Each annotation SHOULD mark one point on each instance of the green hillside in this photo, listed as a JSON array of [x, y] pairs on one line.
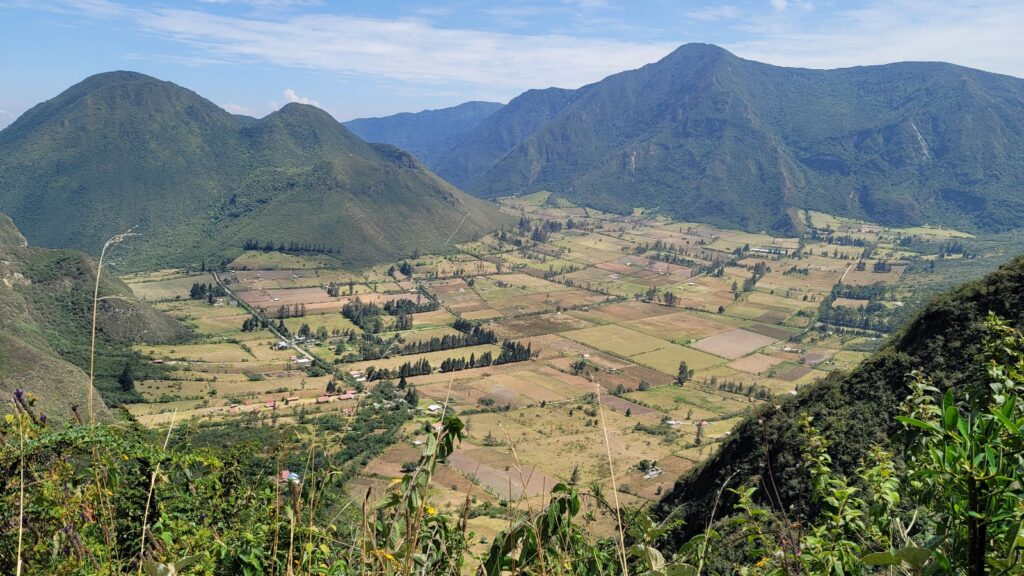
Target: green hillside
[[854, 411], [705, 135], [122, 150], [45, 320], [478, 149], [426, 133]]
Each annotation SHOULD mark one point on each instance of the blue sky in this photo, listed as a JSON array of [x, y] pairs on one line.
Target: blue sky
[[359, 58]]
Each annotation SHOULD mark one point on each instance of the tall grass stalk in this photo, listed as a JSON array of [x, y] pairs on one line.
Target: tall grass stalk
[[95, 308], [21, 494], [104, 502], [615, 487]]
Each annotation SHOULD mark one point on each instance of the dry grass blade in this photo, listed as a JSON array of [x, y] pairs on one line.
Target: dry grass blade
[[95, 307], [21, 496], [615, 487]]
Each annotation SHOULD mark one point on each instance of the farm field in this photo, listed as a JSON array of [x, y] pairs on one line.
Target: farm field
[[572, 319]]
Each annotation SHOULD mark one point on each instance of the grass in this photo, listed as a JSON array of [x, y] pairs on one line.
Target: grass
[[617, 340]]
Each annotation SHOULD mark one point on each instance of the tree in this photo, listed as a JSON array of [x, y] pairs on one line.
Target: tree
[[683, 374], [490, 440], [968, 457], [574, 478], [126, 380], [332, 386], [629, 412], [412, 398], [669, 298]]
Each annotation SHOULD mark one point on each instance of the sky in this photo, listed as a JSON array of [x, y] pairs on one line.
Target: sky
[[358, 59]]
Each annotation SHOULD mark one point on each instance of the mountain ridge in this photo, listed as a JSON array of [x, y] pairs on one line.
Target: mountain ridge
[[122, 149], [705, 135], [45, 327], [426, 133]]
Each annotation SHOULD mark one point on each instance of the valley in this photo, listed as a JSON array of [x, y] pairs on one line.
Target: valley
[[610, 307], [631, 307]]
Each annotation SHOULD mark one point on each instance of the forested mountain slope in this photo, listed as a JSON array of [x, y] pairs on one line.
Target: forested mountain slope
[[426, 134], [122, 150], [705, 135], [855, 410], [45, 323]]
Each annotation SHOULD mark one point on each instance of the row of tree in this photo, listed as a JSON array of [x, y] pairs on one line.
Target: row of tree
[[269, 246], [475, 337], [209, 291], [408, 369], [407, 306]]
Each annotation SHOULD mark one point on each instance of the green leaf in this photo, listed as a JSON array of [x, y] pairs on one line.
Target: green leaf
[[680, 570], [881, 559], [950, 416], [918, 423], [1006, 422], [916, 557]]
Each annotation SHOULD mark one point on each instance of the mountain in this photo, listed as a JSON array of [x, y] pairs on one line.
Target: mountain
[[425, 133], [478, 149], [122, 150], [703, 134], [854, 411], [45, 326]]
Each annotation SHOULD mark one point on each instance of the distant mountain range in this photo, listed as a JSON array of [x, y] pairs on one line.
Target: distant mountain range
[[426, 133], [705, 135], [122, 150]]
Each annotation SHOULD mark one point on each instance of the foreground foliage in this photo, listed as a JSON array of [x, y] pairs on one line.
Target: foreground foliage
[[105, 500]]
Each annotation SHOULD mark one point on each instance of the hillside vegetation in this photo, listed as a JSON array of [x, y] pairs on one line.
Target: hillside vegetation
[[45, 319], [854, 411], [707, 136], [122, 150], [425, 133]]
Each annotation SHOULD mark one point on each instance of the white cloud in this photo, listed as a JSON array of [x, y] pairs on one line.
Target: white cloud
[[291, 96], [587, 4], [239, 109], [780, 4], [713, 13], [983, 35], [5, 118], [271, 3], [497, 64]]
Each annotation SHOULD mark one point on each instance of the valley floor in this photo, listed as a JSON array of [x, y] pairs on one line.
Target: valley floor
[[610, 307]]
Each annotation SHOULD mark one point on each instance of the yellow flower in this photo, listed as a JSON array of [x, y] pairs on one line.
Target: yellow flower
[[431, 511]]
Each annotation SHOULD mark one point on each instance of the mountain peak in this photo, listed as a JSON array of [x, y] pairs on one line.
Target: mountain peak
[[122, 149], [698, 51], [118, 77]]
